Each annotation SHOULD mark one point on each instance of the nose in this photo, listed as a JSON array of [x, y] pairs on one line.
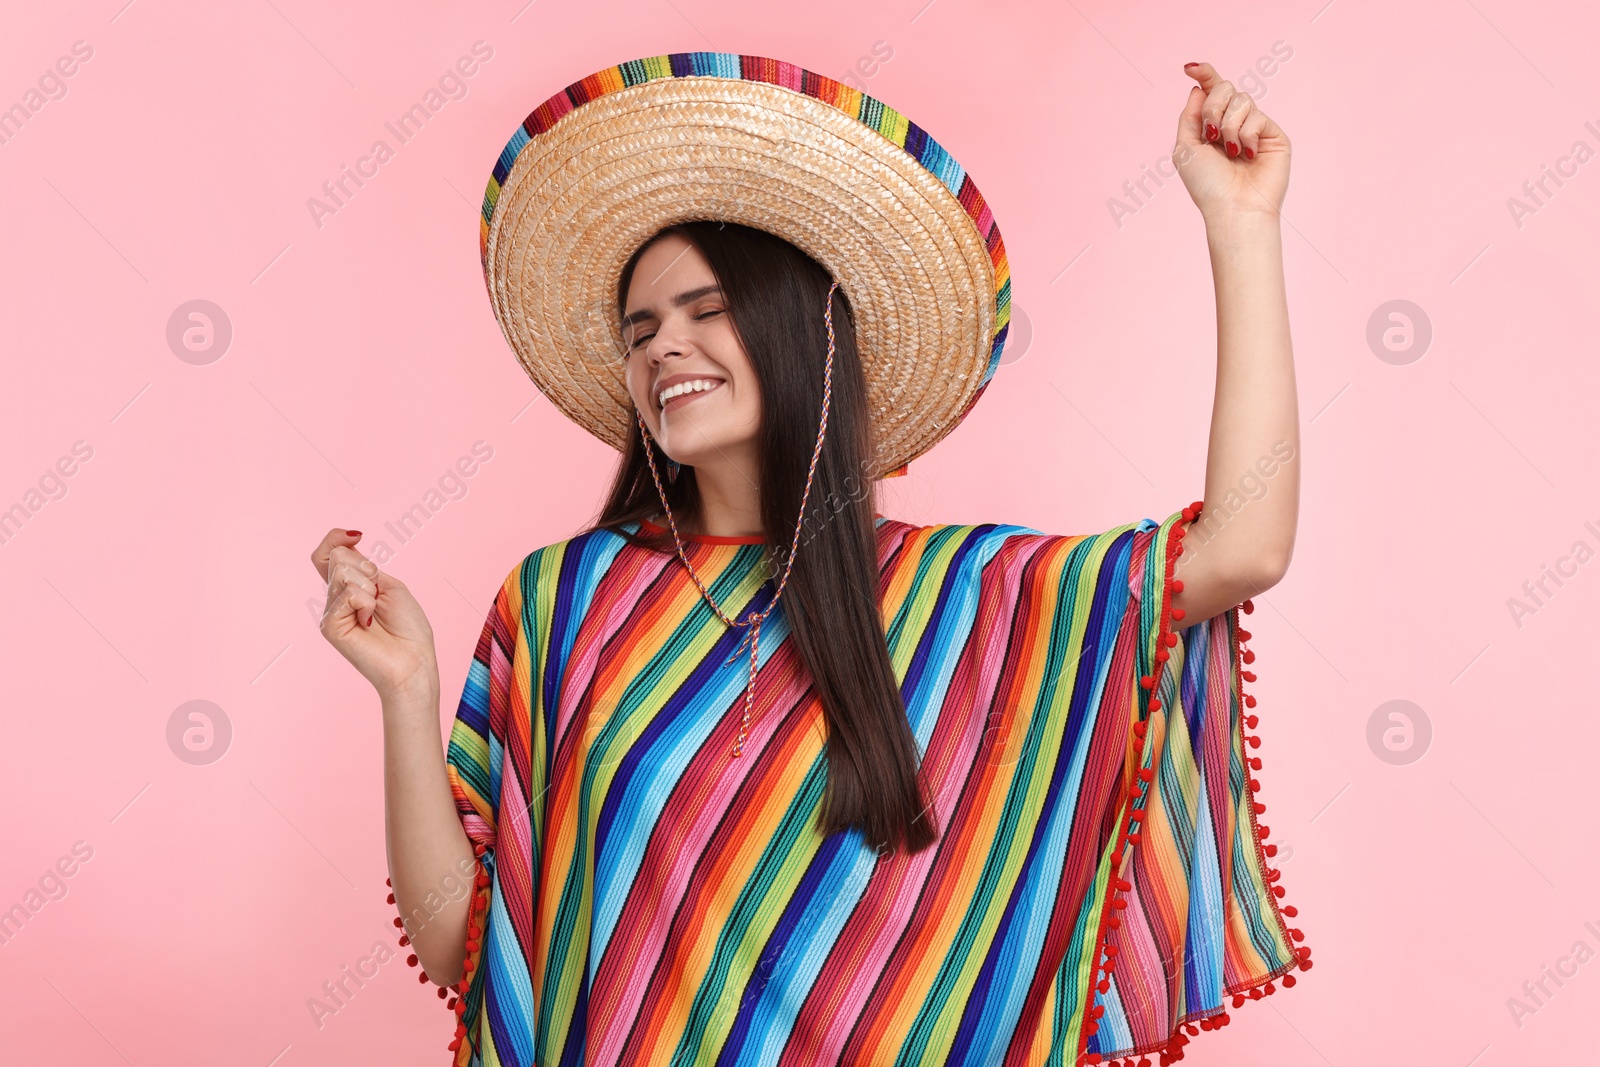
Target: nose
[[666, 342]]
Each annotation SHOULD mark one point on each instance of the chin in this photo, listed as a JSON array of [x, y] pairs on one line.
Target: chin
[[705, 442], [703, 451]]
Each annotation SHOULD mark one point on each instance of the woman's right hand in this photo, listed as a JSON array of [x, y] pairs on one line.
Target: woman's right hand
[[373, 620]]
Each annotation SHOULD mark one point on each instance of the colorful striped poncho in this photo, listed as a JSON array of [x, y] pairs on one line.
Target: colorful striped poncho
[[1099, 885]]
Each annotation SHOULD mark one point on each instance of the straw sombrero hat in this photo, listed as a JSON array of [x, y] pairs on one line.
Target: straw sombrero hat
[[599, 167]]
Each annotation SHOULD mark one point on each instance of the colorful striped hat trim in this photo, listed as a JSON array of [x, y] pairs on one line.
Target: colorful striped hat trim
[[939, 289]]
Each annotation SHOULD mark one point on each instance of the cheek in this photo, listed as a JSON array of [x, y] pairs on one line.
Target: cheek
[[639, 404], [637, 383], [747, 388], [750, 399], [749, 395]]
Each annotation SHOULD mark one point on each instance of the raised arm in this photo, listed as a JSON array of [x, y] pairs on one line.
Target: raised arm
[[1234, 161]]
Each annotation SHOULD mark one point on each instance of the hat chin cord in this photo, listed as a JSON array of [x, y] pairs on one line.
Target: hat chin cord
[[753, 619]]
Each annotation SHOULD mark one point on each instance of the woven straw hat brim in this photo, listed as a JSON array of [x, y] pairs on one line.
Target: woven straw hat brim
[[601, 167]]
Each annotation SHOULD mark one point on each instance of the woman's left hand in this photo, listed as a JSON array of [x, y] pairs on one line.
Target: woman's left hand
[[1234, 160]]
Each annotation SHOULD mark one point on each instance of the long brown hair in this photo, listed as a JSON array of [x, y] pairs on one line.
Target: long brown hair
[[774, 295]]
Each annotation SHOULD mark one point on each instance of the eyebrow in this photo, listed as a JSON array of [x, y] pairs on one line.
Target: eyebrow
[[688, 296]]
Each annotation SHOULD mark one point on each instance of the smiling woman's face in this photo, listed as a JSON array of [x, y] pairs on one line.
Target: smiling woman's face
[[681, 343]]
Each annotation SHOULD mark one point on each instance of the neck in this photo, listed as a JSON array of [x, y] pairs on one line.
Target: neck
[[730, 499]]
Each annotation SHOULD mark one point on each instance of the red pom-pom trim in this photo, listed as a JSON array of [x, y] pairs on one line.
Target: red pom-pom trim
[[1172, 1050], [1129, 834], [479, 903]]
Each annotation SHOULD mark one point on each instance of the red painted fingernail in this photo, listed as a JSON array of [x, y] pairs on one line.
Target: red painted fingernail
[[1233, 149], [1211, 132], [352, 533], [1186, 66], [1249, 153], [369, 621]]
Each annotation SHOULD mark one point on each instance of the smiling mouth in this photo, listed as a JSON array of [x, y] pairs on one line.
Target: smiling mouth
[[675, 396]]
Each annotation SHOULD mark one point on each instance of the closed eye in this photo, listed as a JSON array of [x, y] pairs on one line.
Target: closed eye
[[641, 340]]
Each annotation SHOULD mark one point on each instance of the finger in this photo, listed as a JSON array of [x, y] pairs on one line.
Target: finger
[[347, 561], [362, 605], [1216, 102], [1239, 107], [1211, 109], [352, 559], [334, 538], [1269, 134], [349, 576], [341, 600], [338, 604], [370, 574], [1217, 93], [1251, 130], [1190, 133], [1204, 74]]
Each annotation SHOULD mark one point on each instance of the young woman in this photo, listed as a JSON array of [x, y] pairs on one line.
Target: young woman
[[748, 772]]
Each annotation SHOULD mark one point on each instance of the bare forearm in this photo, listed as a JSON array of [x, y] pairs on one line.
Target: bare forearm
[[1252, 488], [431, 862]]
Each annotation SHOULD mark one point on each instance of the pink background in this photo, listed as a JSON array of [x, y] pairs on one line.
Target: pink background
[[365, 360]]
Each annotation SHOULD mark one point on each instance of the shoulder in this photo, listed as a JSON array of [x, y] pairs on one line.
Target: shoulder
[[995, 537], [982, 553], [583, 554]]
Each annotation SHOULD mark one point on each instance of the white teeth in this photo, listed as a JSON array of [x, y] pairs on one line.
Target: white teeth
[[698, 385]]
